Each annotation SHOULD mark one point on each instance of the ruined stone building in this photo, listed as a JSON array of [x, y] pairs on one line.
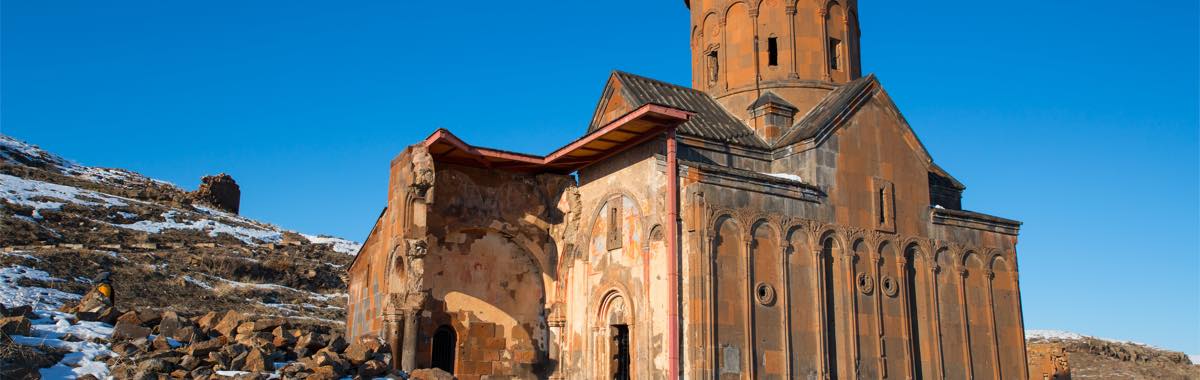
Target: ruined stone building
[[777, 219]]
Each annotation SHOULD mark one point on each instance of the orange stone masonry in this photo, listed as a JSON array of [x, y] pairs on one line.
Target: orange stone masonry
[[815, 237]]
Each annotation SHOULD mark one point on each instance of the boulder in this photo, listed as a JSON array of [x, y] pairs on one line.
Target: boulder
[[430, 374], [130, 317], [372, 369], [149, 317], [310, 340], [327, 358], [202, 349], [124, 349], [264, 325], [188, 334], [257, 361], [229, 323], [161, 343], [337, 343], [106, 315], [208, 321], [364, 349], [154, 366], [18, 325], [170, 323], [201, 373], [323, 373], [189, 362], [129, 331], [281, 337]]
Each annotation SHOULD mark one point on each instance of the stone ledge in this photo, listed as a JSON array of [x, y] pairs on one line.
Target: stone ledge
[[975, 220]]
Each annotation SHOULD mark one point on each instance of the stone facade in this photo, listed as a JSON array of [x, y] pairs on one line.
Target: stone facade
[[780, 220]]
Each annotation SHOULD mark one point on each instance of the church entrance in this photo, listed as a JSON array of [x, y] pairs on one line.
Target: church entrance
[[619, 347], [444, 342]]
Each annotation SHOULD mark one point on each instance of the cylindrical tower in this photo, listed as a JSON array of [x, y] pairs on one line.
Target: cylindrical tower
[[797, 49]]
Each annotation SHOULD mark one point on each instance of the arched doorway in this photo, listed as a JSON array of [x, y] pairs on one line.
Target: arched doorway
[[445, 340]]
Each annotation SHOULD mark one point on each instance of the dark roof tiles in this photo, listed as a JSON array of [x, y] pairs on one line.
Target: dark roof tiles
[[710, 120]]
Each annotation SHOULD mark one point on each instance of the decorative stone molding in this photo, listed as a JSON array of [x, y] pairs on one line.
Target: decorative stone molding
[[889, 286], [865, 283], [764, 293]]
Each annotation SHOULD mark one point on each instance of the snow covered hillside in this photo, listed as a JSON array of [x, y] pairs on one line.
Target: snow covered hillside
[[63, 223]]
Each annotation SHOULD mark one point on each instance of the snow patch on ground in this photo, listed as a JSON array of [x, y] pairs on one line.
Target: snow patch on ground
[[312, 295], [15, 150], [1052, 335], [245, 234], [339, 244], [48, 196], [50, 331], [12, 294], [1067, 335]]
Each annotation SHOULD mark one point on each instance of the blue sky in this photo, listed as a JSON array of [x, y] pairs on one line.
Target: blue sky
[[1078, 118]]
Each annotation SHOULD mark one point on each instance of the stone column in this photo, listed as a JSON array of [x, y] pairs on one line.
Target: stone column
[[408, 352], [822, 331], [966, 327], [394, 322], [906, 300], [934, 270]]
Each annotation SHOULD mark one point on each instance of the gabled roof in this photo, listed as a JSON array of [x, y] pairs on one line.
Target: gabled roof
[[769, 98], [840, 103], [642, 124], [709, 120]]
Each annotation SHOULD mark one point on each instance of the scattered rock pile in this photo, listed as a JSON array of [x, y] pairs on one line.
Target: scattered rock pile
[[148, 343]]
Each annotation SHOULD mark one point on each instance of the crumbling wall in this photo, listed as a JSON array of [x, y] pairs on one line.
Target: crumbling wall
[[219, 191], [494, 241], [1048, 361]]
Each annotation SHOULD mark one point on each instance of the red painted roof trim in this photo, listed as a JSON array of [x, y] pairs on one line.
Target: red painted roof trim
[[669, 116]]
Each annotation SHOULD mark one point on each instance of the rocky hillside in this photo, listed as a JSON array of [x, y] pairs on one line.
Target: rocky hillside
[[1074, 356], [62, 224]]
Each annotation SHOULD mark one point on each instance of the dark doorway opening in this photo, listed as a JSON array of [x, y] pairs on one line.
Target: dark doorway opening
[[444, 342], [619, 347]]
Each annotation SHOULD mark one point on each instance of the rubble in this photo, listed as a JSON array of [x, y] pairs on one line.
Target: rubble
[[232, 342]]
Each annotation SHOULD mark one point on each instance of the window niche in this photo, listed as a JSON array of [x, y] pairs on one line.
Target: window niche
[[884, 194], [772, 51], [712, 64], [835, 54], [614, 236]]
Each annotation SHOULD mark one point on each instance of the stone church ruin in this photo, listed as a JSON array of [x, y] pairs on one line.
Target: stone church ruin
[[778, 219]]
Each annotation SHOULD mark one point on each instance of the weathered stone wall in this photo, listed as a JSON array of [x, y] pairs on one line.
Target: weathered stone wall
[[492, 265], [617, 274]]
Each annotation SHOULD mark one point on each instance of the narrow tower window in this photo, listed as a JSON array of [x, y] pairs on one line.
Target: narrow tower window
[[713, 66], [835, 54], [773, 51]]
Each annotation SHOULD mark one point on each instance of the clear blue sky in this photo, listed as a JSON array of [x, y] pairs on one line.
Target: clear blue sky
[[1078, 118]]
